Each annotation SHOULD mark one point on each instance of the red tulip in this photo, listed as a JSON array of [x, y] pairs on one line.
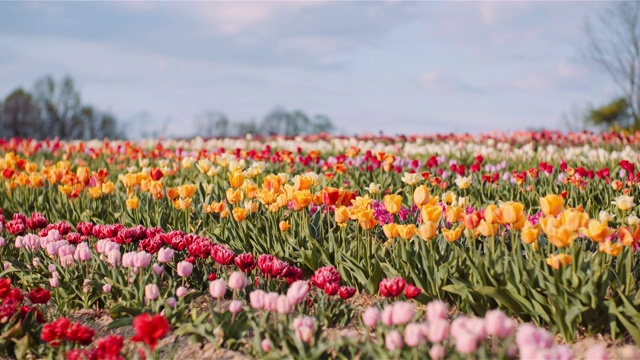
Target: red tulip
[[392, 287], [150, 330]]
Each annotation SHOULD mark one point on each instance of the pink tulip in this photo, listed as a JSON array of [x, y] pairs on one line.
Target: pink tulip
[[171, 302], [629, 352], [235, 306], [282, 305], [597, 352], [51, 267], [54, 282], [371, 317], [127, 259], [65, 249], [113, 257], [83, 252], [238, 281], [437, 352], [217, 288], [165, 255], [271, 301], [185, 268], [438, 330], [151, 292], [158, 269], [106, 288], [413, 335], [256, 299], [466, 344], [297, 292], [403, 312], [36, 262], [437, 310], [266, 345], [393, 340], [1, 238], [66, 261], [142, 259], [181, 291]]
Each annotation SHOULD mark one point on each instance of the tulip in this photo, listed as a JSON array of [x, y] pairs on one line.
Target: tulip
[[438, 330], [341, 214], [623, 202], [54, 282], [284, 226], [452, 235], [463, 182], [551, 205], [256, 299], [184, 268], [393, 340], [371, 317], [282, 305], [413, 335], [406, 231], [297, 292], [390, 230], [217, 288], [165, 255], [427, 231], [392, 203], [431, 213], [437, 352], [235, 306], [106, 288], [141, 259], [158, 269], [437, 310], [181, 291], [132, 203], [271, 301], [151, 292], [171, 302], [266, 345], [238, 281], [421, 195]]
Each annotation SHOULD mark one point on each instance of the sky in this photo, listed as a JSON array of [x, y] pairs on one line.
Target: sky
[[397, 67]]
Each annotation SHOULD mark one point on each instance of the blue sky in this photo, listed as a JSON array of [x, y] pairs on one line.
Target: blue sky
[[399, 67]]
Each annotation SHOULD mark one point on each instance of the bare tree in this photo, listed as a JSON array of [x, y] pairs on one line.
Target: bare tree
[[614, 45]]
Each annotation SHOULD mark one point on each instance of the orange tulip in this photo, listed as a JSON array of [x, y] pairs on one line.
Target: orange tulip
[[453, 214], [487, 229], [471, 221]]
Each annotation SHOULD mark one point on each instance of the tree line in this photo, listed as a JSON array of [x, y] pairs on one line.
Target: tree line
[[278, 121], [54, 109]]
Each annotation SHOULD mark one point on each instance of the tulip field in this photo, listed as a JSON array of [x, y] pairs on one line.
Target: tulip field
[[505, 246]]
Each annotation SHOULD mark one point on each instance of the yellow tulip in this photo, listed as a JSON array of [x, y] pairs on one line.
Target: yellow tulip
[[107, 188], [610, 248], [172, 193], [558, 261], [341, 214], [427, 231], [301, 199], [574, 219], [512, 212], [182, 204], [406, 231], [493, 214], [284, 226], [529, 234], [487, 229], [551, 204], [239, 214], [187, 191], [596, 230], [132, 203], [562, 236], [453, 214], [94, 192], [452, 235], [421, 195], [236, 179], [431, 213], [392, 203], [390, 230], [234, 196]]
